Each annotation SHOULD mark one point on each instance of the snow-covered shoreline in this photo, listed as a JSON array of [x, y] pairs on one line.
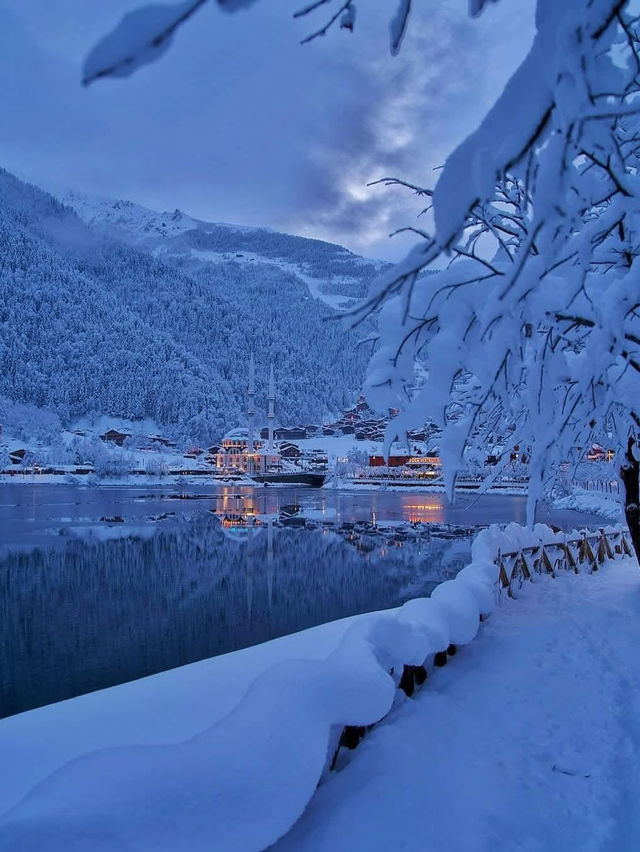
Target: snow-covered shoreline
[[595, 502], [133, 480], [406, 485], [121, 715], [249, 713]]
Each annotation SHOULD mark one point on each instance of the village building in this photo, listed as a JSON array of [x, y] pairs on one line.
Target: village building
[[114, 436], [290, 433], [242, 450]]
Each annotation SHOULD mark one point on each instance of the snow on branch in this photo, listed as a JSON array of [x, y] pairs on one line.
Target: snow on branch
[[346, 12], [398, 26], [143, 35], [522, 309]]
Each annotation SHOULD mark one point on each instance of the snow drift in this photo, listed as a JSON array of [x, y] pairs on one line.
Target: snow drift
[[247, 779]]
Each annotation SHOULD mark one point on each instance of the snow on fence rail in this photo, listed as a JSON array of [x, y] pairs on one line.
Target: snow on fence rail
[[244, 782], [566, 553]]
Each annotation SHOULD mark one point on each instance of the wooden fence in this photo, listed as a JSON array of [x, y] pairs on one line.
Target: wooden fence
[[592, 549], [588, 551]]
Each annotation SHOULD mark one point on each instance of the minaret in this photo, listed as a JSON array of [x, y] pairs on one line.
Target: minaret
[[250, 407], [271, 413]]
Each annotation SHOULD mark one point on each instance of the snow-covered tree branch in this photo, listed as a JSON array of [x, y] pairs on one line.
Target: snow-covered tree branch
[[144, 34], [525, 299], [523, 302]]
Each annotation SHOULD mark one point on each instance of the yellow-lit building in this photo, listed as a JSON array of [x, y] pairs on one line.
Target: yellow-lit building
[[236, 456]]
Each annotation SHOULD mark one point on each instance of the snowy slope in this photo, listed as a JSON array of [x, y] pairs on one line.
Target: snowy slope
[[117, 315], [332, 274]]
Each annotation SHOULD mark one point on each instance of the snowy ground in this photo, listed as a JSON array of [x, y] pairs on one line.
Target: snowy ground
[[529, 739], [185, 701], [345, 484], [603, 504]]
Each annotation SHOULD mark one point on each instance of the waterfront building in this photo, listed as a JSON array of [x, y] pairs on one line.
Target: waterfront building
[[242, 450]]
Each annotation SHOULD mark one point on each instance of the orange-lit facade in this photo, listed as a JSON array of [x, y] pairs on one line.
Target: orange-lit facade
[[234, 455], [408, 461]]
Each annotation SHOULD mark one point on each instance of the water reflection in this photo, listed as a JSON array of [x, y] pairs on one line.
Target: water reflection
[[94, 613], [236, 505], [99, 586]]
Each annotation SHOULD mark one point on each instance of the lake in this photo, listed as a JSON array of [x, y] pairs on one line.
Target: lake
[[103, 585]]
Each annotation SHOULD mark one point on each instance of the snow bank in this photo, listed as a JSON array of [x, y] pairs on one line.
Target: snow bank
[[592, 501], [246, 780]]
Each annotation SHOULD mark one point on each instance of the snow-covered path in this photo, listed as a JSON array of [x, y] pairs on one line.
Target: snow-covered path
[[529, 739]]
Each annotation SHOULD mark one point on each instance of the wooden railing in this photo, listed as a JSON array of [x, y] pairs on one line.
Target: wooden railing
[[592, 549], [589, 551]]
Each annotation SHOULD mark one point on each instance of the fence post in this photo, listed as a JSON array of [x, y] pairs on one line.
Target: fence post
[[503, 574], [524, 567], [606, 545], [547, 562], [569, 556], [589, 553]]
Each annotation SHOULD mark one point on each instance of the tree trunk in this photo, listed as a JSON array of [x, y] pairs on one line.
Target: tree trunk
[[630, 476]]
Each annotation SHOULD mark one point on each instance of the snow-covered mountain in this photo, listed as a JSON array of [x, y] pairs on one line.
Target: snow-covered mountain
[[331, 273], [109, 308]]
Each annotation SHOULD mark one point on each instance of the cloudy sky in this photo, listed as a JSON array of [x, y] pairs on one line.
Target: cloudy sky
[[240, 123]]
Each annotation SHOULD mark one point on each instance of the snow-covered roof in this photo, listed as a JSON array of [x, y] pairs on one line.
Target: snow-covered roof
[[239, 434]]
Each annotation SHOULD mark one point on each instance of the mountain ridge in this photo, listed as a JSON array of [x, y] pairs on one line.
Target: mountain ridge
[[99, 319]]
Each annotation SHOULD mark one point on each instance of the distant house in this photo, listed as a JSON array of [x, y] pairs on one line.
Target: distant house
[[348, 430], [164, 442], [290, 433], [392, 461], [598, 453], [17, 456], [495, 454], [289, 450], [193, 453], [114, 437], [318, 459]]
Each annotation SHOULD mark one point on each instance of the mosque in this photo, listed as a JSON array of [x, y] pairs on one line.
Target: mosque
[[242, 450]]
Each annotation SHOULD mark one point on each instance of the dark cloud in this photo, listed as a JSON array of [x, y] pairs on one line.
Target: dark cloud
[[240, 123], [402, 119]]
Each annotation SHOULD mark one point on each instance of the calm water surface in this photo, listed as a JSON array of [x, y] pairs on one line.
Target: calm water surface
[[103, 585]]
